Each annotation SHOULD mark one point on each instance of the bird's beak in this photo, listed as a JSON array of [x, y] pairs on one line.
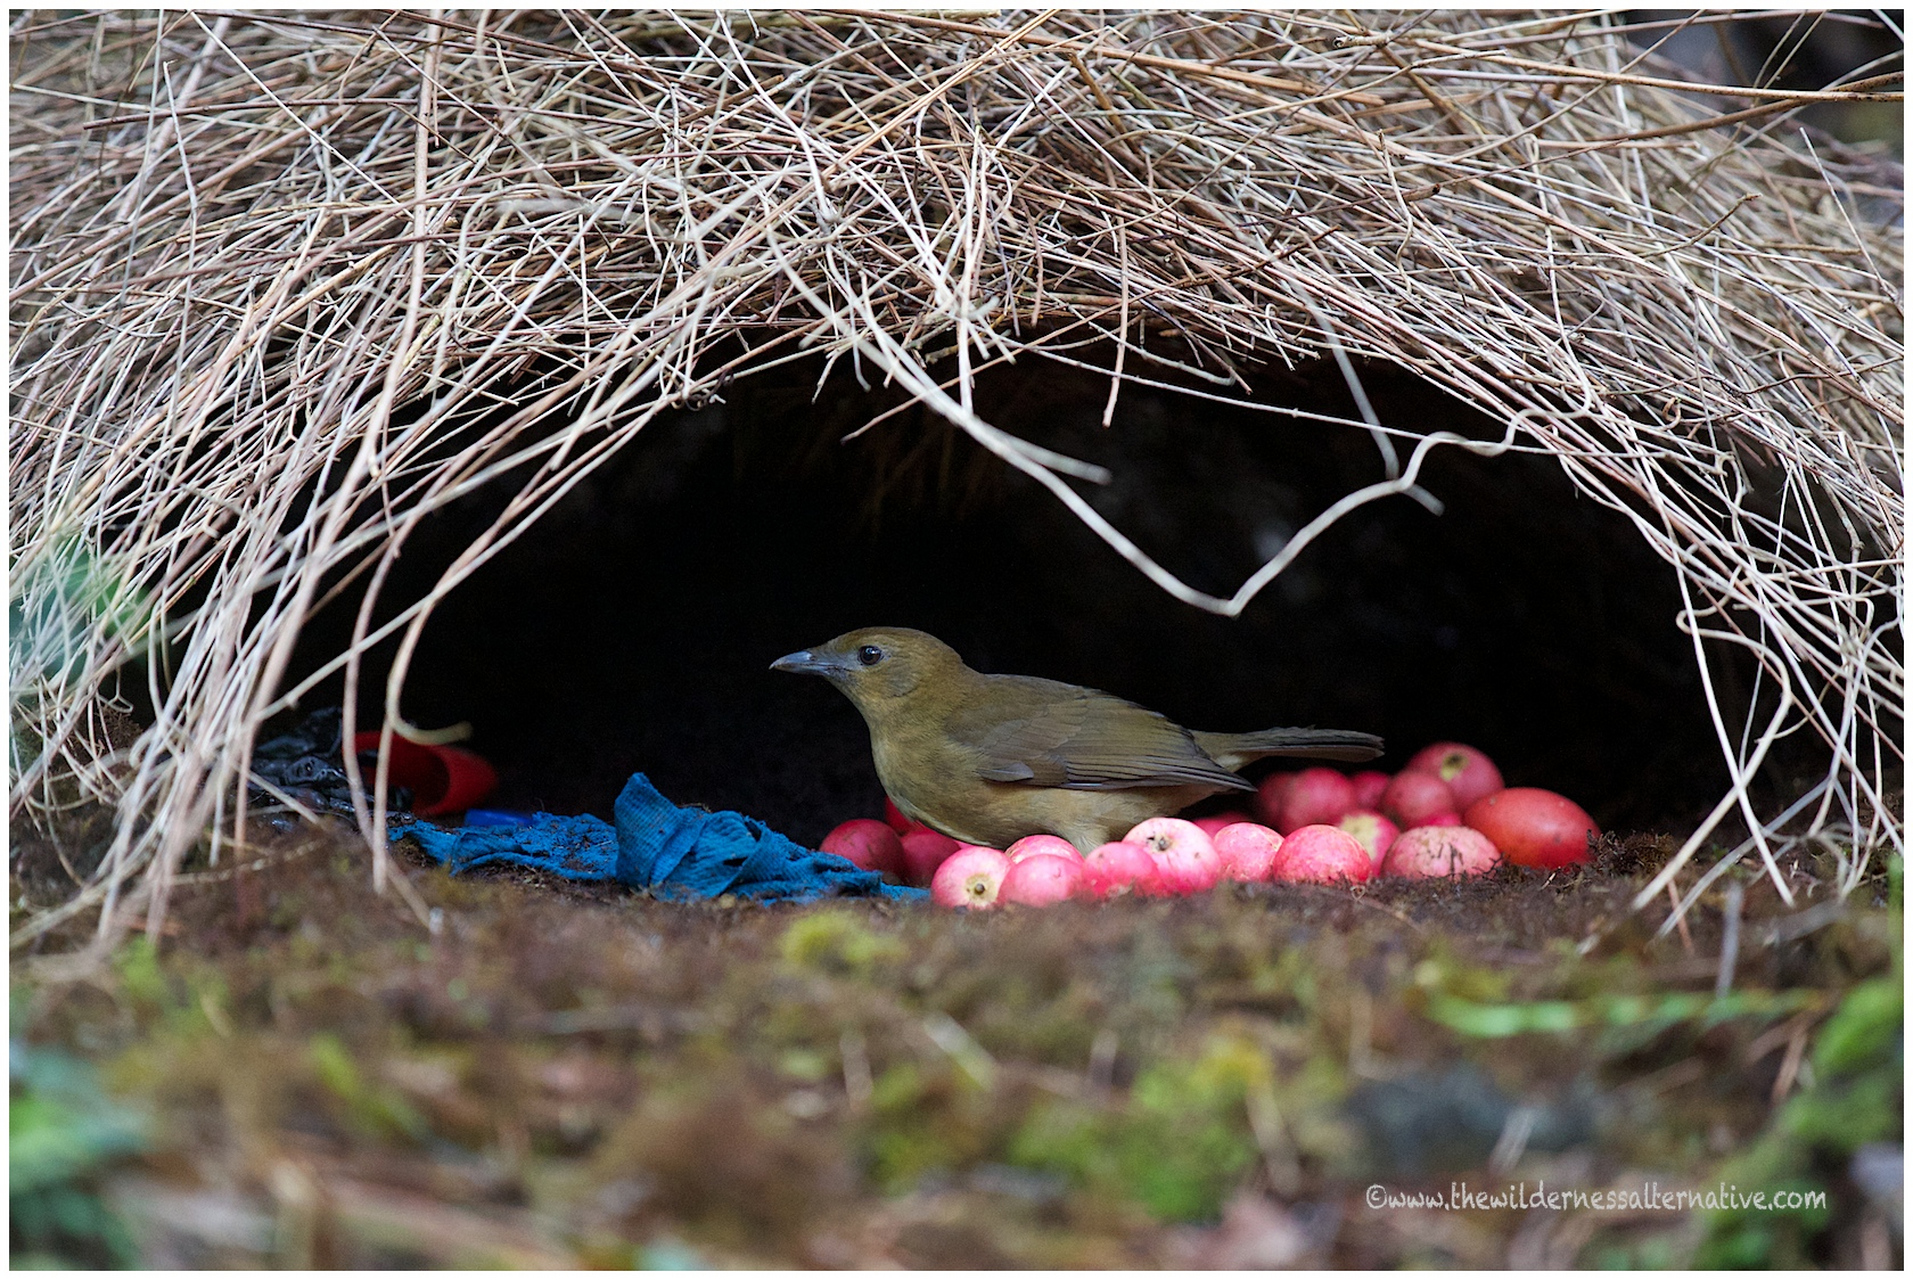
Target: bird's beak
[[804, 662]]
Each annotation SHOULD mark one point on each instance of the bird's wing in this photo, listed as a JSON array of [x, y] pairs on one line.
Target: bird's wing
[[1047, 734]]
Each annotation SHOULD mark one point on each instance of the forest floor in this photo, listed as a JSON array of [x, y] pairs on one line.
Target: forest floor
[[1515, 1071]]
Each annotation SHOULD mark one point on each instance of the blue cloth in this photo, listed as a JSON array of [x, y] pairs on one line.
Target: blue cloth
[[676, 853]]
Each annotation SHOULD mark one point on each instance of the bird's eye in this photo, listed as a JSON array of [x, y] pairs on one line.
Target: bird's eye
[[870, 655]]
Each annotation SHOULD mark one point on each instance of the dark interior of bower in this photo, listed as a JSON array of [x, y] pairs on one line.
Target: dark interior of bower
[[632, 627]]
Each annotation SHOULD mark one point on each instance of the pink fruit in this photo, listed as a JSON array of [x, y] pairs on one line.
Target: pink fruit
[[1534, 828], [1247, 850], [1372, 831], [1469, 773], [970, 877], [1446, 818], [1269, 796], [1369, 785], [1029, 846], [1432, 852], [923, 852], [868, 843], [1186, 857], [894, 816], [1412, 797], [1317, 796], [1321, 854], [1217, 822], [1120, 867], [1043, 879]]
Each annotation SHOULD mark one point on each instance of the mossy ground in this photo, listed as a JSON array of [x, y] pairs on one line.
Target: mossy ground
[[555, 1075]]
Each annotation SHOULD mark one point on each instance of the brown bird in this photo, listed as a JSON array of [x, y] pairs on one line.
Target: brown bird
[[990, 759]]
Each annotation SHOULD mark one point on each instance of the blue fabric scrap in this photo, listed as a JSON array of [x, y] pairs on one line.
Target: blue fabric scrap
[[676, 853]]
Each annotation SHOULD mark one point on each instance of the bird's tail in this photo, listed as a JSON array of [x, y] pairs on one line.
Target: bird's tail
[[1233, 750]]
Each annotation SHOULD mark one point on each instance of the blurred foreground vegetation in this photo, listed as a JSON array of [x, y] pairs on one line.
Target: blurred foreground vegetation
[[300, 1074]]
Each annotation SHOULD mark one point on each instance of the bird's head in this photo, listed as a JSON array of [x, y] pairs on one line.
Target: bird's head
[[876, 667]]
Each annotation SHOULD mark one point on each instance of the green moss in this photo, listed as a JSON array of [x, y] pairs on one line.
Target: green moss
[[1843, 1115], [1865, 1030], [137, 964], [840, 942], [925, 1118], [1646, 1253], [804, 1064], [375, 1108], [1177, 1146], [1644, 1015]]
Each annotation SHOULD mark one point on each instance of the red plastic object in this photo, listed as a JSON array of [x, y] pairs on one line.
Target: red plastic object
[[441, 779]]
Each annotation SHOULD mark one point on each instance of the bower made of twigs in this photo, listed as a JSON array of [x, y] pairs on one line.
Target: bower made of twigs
[[1253, 360]]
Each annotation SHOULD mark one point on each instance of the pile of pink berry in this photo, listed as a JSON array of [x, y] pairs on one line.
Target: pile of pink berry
[[1445, 814]]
